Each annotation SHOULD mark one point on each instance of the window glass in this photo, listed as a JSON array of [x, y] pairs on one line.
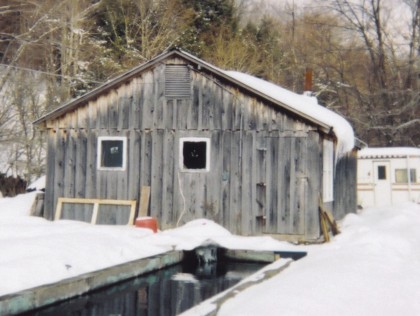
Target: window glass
[[401, 176], [195, 154], [111, 152], [413, 176], [381, 173]]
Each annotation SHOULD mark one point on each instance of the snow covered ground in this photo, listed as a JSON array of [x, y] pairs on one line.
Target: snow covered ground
[[372, 267]]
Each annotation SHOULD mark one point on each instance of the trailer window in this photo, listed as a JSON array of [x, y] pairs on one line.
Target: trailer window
[[112, 153], [194, 154], [381, 173], [401, 175]]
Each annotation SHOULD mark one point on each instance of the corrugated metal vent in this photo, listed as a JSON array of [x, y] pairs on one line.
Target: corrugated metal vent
[[177, 81]]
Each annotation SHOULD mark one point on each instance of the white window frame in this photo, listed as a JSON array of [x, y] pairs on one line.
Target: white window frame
[[124, 153], [407, 172], [183, 140], [328, 171]]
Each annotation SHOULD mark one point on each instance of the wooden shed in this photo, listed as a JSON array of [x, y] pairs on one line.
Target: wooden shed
[[215, 144]]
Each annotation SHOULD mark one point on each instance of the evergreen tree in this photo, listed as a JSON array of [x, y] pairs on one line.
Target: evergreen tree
[[208, 19]]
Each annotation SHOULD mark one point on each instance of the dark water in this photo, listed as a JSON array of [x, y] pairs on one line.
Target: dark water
[[166, 292]]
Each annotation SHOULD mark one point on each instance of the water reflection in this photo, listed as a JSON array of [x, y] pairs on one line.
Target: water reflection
[[166, 292]]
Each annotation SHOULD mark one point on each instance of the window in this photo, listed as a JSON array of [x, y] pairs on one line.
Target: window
[[328, 171], [112, 153], [401, 176], [381, 172], [194, 154]]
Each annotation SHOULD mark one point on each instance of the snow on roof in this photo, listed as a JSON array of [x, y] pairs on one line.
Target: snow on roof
[[388, 152], [306, 105]]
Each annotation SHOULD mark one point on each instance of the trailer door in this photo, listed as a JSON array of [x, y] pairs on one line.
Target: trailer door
[[382, 190]]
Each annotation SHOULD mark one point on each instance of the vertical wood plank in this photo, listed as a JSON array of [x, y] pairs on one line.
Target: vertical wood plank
[[81, 167], [102, 110], [159, 97], [226, 112], [124, 109], [157, 195], [169, 112], [314, 179], [91, 171], [183, 114], [113, 104], [70, 166], [51, 186], [217, 107], [260, 182], [207, 105], [92, 114], [247, 216], [226, 178], [137, 103], [148, 107], [273, 187], [200, 103], [134, 164], [235, 185], [301, 155], [214, 178], [193, 114]]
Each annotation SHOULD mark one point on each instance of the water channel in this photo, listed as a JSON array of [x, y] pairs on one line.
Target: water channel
[[165, 292]]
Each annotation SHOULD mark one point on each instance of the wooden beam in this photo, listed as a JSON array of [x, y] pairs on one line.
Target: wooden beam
[[327, 220], [324, 227]]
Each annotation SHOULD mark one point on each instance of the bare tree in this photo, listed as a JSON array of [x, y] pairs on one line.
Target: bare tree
[[41, 55], [383, 102]]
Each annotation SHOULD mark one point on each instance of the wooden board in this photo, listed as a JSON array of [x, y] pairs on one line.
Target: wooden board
[[96, 203], [144, 201]]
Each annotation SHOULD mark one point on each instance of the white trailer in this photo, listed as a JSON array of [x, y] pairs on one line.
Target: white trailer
[[388, 176]]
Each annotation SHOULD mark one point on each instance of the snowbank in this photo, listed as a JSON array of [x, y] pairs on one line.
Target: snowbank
[[371, 268], [36, 251]]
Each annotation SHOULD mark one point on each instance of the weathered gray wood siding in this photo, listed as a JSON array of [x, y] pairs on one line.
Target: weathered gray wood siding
[[345, 184], [265, 167]]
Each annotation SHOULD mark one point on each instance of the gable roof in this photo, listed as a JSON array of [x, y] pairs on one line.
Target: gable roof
[[303, 106]]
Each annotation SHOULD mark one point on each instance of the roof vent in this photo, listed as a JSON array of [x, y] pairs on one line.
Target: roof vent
[[177, 81]]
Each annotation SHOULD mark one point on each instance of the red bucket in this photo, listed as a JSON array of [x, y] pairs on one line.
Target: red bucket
[[147, 222]]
